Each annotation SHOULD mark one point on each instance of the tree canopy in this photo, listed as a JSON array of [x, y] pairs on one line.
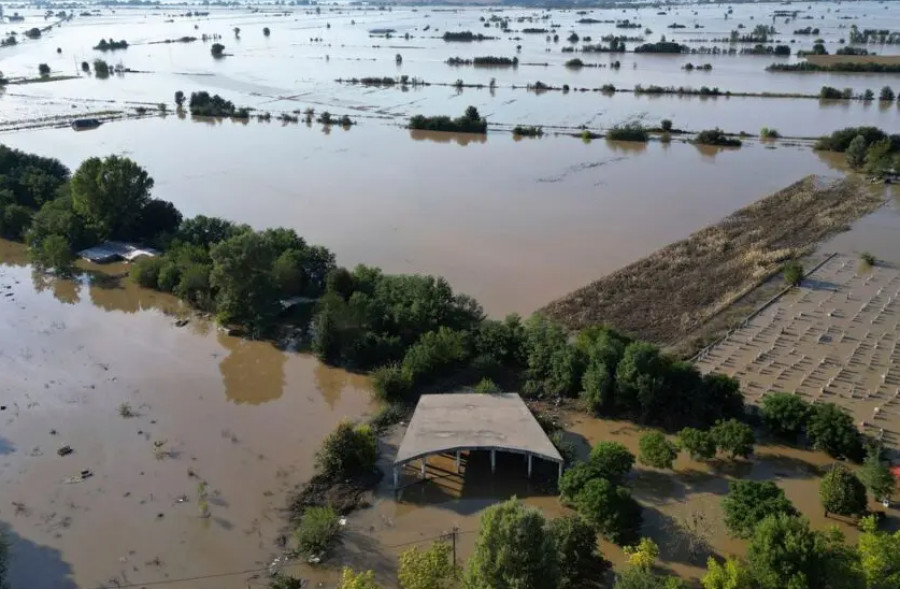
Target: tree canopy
[[110, 195], [749, 502]]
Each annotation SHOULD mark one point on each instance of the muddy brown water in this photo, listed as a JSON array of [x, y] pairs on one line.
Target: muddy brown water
[[513, 223], [71, 354]]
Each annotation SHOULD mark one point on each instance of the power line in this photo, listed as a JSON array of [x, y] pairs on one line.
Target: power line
[[262, 570]]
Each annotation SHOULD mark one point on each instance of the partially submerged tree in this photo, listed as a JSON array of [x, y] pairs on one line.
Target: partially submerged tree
[[749, 502], [842, 493]]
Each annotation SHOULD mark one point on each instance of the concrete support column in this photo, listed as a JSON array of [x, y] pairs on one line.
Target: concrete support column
[[560, 472], [396, 476], [529, 466], [424, 463], [457, 462], [493, 461]]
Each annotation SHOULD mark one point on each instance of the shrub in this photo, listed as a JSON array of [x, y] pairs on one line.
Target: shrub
[[14, 220], [749, 502], [611, 460], [666, 125], [840, 140], [487, 386], [716, 137], [44, 69], [347, 451], [876, 476], [145, 271], [575, 63], [266, 31], [523, 131], [734, 438], [388, 415], [856, 151], [101, 68], [832, 430], [470, 122], [842, 493], [632, 131], [785, 414], [886, 94], [217, 50], [792, 270], [867, 258], [318, 530], [573, 481], [656, 450], [768, 133], [699, 444]]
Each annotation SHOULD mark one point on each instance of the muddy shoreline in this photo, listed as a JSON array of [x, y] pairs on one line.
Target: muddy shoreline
[[669, 295]]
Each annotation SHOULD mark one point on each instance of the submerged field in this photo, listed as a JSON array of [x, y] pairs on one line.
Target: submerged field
[[152, 408]]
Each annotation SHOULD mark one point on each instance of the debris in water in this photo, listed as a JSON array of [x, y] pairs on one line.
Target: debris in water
[[64, 450]]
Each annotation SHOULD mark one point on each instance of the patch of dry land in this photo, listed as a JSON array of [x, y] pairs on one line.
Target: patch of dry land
[[833, 339], [667, 296], [828, 60]]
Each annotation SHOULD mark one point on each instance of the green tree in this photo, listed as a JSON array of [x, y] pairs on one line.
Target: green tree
[[317, 531], [110, 194], [611, 460], [44, 69], [513, 550], [640, 378], [610, 509], [656, 450], [734, 438], [573, 481], [14, 220], [347, 451], [785, 414], [879, 554], [731, 574], [886, 94], [877, 477], [554, 367], [643, 554], [54, 253], [217, 50], [856, 152], [145, 271], [832, 430], [784, 554], [427, 569], [699, 444], [868, 95], [575, 541], [633, 577], [288, 273], [842, 493], [749, 502], [879, 157], [247, 291], [353, 580], [598, 387]]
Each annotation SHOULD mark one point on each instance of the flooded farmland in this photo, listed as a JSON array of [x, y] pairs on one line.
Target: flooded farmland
[[152, 409]]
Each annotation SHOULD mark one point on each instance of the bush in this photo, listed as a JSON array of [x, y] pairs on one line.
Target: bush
[[611, 460], [840, 140], [832, 430], [145, 271], [867, 258], [101, 68], [575, 63], [487, 386], [389, 415], [666, 125], [769, 133], [841, 492], [632, 131], [610, 509], [14, 221], [699, 444], [470, 122], [877, 477], [656, 450], [217, 50], [792, 270], [785, 414], [523, 131], [734, 438], [856, 152], [716, 137], [347, 451], [44, 69], [573, 481], [318, 530], [886, 94], [749, 502]]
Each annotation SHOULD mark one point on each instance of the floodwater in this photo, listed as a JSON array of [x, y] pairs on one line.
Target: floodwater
[[298, 64], [244, 417], [513, 223]]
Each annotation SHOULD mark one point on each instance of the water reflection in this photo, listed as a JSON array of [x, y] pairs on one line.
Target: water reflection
[[64, 290], [462, 139], [711, 151], [253, 371], [628, 147]]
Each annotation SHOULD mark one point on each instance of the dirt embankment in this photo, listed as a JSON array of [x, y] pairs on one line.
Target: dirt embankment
[[667, 296]]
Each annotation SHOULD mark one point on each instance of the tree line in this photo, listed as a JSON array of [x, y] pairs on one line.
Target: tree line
[[470, 122], [866, 148]]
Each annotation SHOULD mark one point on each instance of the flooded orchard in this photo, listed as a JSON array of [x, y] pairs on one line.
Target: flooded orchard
[[167, 415]]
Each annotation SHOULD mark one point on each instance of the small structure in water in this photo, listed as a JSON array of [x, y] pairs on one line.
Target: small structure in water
[[113, 251], [84, 124], [467, 422]]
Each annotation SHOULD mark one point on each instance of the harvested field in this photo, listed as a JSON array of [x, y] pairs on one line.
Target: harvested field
[[833, 339], [827, 60], [667, 296]]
